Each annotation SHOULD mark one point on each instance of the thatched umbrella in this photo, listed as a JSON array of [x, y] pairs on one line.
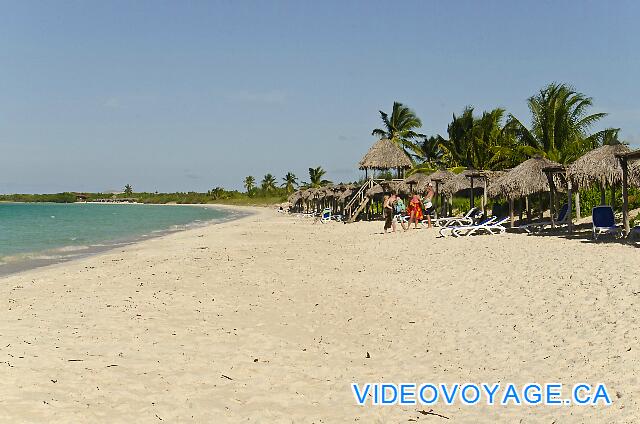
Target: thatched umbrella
[[630, 161], [399, 187], [457, 183], [600, 167], [375, 190], [418, 182], [345, 195], [523, 180], [385, 155], [465, 181]]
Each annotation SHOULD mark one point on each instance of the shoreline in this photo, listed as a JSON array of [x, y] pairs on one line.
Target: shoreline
[[57, 256]]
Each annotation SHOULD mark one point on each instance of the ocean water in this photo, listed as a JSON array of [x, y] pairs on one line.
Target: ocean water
[[34, 234]]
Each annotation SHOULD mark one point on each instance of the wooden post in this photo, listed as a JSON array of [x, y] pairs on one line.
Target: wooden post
[[577, 204], [520, 209], [472, 200], [613, 197], [435, 197], [528, 206], [484, 197], [541, 211], [603, 200], [511, 214], [569, 206], [552, 189], [625, 195]]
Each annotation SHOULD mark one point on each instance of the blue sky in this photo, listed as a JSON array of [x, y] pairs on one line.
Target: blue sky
[[191, 95]]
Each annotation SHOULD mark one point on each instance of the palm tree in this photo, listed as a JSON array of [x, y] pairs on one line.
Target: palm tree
[[559, 125], [290, 181], [128, 190], [458, 148], [268, 182], [610, 137], [400, 127], [428, 154], [315, 177], [249, 183]]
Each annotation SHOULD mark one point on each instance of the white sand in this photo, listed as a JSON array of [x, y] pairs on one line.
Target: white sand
[[288, 311]]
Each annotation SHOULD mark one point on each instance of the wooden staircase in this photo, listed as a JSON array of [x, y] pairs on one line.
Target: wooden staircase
[[358, 202]]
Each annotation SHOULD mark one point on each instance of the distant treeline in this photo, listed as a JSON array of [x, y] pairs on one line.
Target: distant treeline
[[217, 195], [55, 198]]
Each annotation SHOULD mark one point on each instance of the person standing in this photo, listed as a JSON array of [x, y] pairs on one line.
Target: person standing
[[428, 203], [415, 212], [387, 209]]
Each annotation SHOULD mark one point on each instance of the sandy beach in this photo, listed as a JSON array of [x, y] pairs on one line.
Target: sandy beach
[[271, 318]]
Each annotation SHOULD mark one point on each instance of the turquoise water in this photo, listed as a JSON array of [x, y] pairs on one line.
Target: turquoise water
[[46, 232]]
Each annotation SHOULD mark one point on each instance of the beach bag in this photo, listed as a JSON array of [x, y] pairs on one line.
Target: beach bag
[[399, 206]]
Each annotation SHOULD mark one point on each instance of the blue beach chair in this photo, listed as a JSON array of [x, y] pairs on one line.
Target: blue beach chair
[[604, 222], [539, 226]]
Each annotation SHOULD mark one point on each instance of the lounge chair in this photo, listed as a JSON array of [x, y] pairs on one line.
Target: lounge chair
[[487, 228], [326, 215], [604, 222], [445, 230], [561, 220], [457, 221]]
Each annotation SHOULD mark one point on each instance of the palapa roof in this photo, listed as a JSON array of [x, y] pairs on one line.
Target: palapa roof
[[523, 180], [601, 165], [416, 178], [295, 197], [385, 154], [345, 195], [462, 181], [441, 175]]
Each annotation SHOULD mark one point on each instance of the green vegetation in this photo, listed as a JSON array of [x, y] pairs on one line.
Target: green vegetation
[[249, 183], [128, 190], [37, 198], [290, 182], [400, 127], [315, 178], [218, 195], [268, 183], [559, 130]]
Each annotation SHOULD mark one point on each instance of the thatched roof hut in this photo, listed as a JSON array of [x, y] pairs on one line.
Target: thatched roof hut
[[295, 197], [385, 155], [523, 180], [441, 175], [458, 183], [346, 194], [416, 178], [375, 190], [600, 166]]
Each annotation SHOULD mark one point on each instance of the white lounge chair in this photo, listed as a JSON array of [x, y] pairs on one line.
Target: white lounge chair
[[604, 222], [449, 230], [486, 228], [457, 221], [561, 220]]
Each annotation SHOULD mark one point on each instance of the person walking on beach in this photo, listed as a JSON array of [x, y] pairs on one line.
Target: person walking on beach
[[387, 208], [428, 203], [400, 210], [415, 212]]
